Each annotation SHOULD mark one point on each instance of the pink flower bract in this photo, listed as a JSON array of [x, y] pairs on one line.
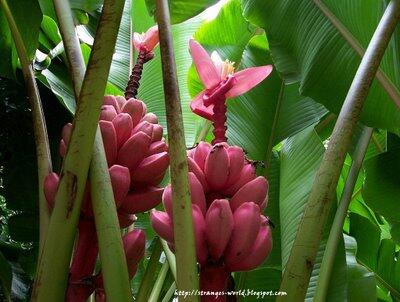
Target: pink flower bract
[[218, 78]]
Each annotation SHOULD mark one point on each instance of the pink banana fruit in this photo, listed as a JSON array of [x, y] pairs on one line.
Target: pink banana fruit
[[199, 226], [51, 182], [236, 164], [219, 226], [150, 168], [109, 140], [121, 181], [141, 200], [259, 251], [247, 174], [200, 154], [123, 127], [255, 191], [134, 150], [107, 113], [216, 167], [136, 109], [193, 167], [162, 224], [245, 230]]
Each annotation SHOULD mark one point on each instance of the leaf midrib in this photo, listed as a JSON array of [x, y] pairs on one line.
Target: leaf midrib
[[382, 78]]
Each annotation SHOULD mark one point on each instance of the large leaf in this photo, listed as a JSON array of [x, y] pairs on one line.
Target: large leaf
[[181, 10], [306, 47], [361, 281], [300, 158], [379, 256], [381, 190], [27, 16]]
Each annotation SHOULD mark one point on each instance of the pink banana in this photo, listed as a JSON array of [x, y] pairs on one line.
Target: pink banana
[[236, 164], [247, 174], [120, 180], [150, 169], [123, 127], [193, 167], [50, 189], [66, 133], [157, 147], [111, 100], [145, 127], [162, 224], [136, 109], [109, 140], [167, 200], [219, 226], [259, 251], [134, 150], [141, 200], [216, 167], [199, 226], [197, 193], [108, 113], [151, 118], [245, 230], [125, 220], [200, 154], [255, 191], [157, 133], [134, 246]]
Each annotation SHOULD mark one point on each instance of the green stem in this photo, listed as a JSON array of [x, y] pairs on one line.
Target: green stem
[[341, 213], [170, 257], [155, 293], [382, 78], [169, 293], [54, 261], [302, 257], [39, 123], [148, 276], [115, 273], [187, 278], [112, 255]]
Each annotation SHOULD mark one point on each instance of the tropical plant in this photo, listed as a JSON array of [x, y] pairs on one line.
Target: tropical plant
[[231, 150]]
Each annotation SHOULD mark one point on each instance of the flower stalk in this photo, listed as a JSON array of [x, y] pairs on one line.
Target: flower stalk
[[54, 261], [39, 124], [337, 227], [187, 279], [301, 260]]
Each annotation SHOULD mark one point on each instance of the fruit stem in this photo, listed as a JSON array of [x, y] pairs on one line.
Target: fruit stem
[[132, 87]]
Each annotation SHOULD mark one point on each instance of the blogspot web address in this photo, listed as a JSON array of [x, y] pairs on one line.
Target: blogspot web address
[[242, 293]]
